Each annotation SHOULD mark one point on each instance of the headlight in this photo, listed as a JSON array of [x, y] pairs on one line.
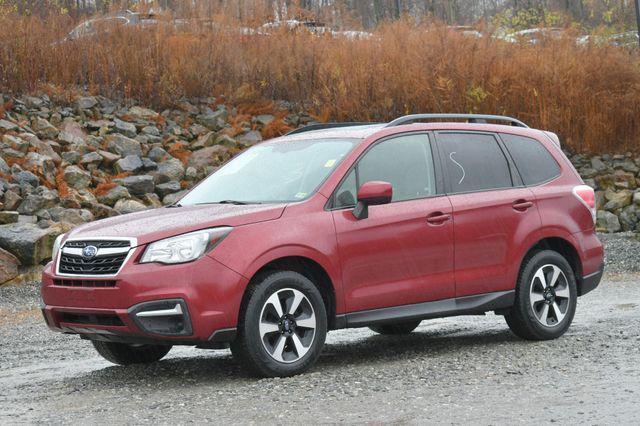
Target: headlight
[[56, 245], [186, 247]]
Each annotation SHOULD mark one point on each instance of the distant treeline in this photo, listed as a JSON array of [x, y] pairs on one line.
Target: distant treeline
[[518, 14]]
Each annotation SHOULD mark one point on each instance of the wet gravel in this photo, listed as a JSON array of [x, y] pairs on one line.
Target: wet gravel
[[450, 371]]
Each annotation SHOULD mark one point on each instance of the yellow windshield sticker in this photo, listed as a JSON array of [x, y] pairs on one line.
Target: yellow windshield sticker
[[330, 163], [301, 195]]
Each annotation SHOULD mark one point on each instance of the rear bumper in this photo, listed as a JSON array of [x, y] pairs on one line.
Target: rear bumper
[[191, 304], [590, 282]]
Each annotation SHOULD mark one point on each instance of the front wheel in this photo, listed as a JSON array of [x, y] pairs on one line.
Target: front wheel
[[125, 354], [282, 328], [546, 298]]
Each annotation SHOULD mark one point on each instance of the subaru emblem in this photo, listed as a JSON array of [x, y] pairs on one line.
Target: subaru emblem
[[89, 252]]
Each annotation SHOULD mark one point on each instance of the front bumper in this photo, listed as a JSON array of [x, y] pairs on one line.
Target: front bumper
[[192, 303]]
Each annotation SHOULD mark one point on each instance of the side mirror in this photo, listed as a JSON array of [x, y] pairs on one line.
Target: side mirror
[[372, 194]]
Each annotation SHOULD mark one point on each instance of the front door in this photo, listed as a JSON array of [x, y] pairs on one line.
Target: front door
[[403, 252]]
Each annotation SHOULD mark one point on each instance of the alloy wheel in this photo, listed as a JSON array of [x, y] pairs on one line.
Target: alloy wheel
[[549, 295], [287, 325]]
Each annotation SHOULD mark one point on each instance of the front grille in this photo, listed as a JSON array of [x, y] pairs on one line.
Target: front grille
[[98, 244], [102, 265], [90, 319], [85, 283], [109, 258]]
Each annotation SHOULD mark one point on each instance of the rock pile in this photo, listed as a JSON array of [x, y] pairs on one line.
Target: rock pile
[[616, 179], [64, 164]]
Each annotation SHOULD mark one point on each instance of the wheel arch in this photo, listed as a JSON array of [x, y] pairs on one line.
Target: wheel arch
[[307, 267], [562, 246]]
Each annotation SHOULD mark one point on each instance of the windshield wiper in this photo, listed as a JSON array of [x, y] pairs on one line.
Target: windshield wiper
[[174, 205], [234, 202]]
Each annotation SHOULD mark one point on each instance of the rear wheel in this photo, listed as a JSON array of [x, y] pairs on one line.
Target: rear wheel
[[397, 328], [282, 328], [546, 298], [125, 354]]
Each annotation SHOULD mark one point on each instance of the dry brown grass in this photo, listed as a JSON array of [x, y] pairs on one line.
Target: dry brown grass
[[589, 95]]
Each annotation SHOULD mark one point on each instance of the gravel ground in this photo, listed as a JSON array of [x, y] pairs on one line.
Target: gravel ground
[[450, 371]]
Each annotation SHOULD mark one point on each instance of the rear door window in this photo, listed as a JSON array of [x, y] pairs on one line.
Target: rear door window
[[535, 164], [474, 162]]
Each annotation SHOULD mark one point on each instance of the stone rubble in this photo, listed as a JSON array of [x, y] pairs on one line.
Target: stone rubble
[[64, 164]]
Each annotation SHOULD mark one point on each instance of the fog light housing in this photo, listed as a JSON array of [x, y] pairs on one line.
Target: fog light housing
[[163, 317]]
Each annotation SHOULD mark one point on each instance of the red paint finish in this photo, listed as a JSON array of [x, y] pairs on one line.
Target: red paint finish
[[395, 257], [405, 252], [493, 230], [375, 192]]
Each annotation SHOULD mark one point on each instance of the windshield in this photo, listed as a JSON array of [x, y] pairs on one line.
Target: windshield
[[272, 172]]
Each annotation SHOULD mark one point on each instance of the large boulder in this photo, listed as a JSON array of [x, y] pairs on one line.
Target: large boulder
[[7, 217], [213, 120], [11, 200], [129, 206], [38, 200], [617, 200], [7, 125], [25, 177], [43, 164], [76, 177], [44, 129], [137, 185], [607, 221], [140, 113], [86, 102], [113, 195], [47, 148], [123, 146], [8, 266], [73, 216], [28, 242], [172, 169], [250, 138], [165, 189], [130, 164], [173, 198], [629, 217], [125, 128]]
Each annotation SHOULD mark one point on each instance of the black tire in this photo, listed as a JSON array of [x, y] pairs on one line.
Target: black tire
[[249, 349], [397, 328], [124, 354], [522, 319]]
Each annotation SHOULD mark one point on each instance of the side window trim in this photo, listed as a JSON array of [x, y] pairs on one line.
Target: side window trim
[[512, 160], [516, 180], [438, 170]]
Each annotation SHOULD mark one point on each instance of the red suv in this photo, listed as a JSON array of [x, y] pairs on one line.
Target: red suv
[[335, 226]]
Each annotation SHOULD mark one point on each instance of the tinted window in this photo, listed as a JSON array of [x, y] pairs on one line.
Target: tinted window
[[474, 162], [405, 162], [534, 162]]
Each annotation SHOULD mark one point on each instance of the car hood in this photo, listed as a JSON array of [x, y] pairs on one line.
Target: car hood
[[153, 225]]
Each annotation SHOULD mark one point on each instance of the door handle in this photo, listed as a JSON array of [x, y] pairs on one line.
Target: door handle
[[522, 205], [438, 218]]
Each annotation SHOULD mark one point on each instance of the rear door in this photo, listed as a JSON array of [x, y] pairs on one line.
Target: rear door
[[403, 252], [494, 215]]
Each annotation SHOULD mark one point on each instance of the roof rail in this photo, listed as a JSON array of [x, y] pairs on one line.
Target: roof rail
[[321, 126], [471, 118]]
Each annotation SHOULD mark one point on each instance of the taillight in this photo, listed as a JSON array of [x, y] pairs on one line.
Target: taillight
[[587, 196]]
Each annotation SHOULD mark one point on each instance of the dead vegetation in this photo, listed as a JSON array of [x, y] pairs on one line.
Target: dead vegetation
[[590, 95]]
